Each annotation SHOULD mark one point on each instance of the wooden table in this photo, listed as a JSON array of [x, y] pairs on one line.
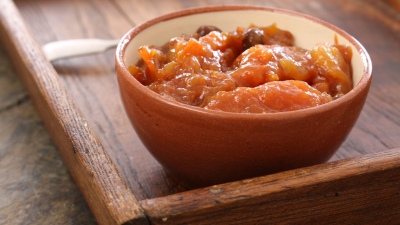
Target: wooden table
[[35, 186]]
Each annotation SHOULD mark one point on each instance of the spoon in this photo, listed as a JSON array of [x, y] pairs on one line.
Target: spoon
[[76, 47]]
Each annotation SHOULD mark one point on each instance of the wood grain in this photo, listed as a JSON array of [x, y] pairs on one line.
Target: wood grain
[[91, 85], [107, 195], [341, 192], [35, 187]]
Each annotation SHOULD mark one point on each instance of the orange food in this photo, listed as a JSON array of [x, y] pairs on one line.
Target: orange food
[[275, 96], [249, 70]]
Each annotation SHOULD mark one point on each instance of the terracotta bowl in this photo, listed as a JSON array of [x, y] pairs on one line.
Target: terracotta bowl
[[199, 147]]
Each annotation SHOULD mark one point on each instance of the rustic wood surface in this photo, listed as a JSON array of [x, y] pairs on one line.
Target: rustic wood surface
[[37, 189], [35, 186], [341, 192], [92, 83], [109, 198]]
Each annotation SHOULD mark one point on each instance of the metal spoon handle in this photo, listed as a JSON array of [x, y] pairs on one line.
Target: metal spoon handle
[[76, 47]]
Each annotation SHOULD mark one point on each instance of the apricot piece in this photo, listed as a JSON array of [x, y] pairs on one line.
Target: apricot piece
[[276, 96], [334, 67]]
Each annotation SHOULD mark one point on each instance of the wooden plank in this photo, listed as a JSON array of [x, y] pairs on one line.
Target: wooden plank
[[105, 192], [363, 190], [31, 167]]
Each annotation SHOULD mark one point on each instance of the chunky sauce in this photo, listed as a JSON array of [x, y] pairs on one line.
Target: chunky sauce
[[249, 70]]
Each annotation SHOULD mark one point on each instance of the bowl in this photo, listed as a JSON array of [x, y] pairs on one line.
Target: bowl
[[199, 147]]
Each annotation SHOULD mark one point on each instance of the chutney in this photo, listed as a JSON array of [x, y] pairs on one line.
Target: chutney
[[249, 70]]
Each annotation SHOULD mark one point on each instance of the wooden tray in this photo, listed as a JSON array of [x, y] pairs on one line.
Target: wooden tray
[[79, 102]]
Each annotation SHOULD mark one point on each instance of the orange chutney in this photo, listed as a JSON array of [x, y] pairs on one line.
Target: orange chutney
[[249, 70]]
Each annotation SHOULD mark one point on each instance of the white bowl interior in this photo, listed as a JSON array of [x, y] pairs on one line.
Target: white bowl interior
[[307, 33]]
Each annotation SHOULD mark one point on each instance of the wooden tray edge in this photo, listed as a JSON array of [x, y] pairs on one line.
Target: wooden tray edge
[[106, 193], [351, 187]]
